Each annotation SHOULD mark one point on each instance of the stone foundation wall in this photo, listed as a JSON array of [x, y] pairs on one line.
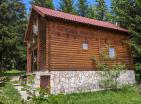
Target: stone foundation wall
[[73, 81]]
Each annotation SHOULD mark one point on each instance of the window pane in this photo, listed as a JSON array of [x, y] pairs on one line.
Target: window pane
[[85, 46], [111, 52]]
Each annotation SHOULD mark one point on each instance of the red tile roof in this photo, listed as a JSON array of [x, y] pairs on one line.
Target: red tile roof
[[84, 20]]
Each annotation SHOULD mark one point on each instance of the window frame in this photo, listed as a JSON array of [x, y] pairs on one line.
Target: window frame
[[112, 53], [85, 45]]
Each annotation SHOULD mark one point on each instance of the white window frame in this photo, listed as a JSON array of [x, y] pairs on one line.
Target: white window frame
[[112, 53], [85, 45]]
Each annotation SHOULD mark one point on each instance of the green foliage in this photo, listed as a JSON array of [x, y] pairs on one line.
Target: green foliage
[[92, 12], [110, 73], [11, 73], [82, 8], [138, 67], [138, 72], [9, 95], [30, 79], [129, 88], [127, 13], [101, 97], [127, 95], [34, 97], [101, 10], [67, 6], [110, 76], [12, 28], [43, 3]]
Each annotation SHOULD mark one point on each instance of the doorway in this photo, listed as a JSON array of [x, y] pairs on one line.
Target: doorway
[[45, 82]]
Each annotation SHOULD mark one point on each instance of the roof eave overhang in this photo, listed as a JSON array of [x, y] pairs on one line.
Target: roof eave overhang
[[123, 30], [45, 15]]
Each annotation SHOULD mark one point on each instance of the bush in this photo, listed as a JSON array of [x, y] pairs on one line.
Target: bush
[[110, 76], [110, 73], [128, 88], [138, 72]]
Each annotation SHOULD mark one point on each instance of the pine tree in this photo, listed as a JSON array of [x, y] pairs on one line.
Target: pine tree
[[127, 13], [83, 8], [92, 12], [12, 28], [101, 10], [43, 3], [67, 6], [119, 10]]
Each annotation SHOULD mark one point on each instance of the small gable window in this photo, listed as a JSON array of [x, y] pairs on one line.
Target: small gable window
[[85, 45], [35, 26], [112, 53]]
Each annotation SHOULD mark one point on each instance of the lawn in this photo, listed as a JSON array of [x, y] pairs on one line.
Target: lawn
[[125, 96], [9, 95], [128, 95]]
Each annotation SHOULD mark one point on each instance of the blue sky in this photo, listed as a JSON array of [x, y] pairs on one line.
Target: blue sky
[[27, 2]]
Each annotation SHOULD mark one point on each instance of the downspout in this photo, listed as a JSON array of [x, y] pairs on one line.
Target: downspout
[[38, 45], [49, 45], [99, 42]]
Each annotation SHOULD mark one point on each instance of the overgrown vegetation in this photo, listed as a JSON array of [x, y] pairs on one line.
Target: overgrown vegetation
[[138, 72], [9, 95], [110, 73], [127, 95], [104, 97], [110, 76]]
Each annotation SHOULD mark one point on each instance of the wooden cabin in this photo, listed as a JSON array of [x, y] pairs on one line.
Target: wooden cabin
[[60, 48]]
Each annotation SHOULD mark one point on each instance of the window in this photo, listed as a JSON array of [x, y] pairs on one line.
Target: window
[[85, 45], [35, 29], [112, 53], [28, 45]]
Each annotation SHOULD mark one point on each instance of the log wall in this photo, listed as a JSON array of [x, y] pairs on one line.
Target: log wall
[[66, 50]]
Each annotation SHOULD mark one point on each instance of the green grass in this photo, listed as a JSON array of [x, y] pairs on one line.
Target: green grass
[[102, 97], [11, 73], [127, 95], [9, 95]]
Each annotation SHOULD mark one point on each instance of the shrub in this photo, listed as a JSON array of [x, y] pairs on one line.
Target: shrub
[[138, 72], [129, 88], [110, 76], [110, 73]]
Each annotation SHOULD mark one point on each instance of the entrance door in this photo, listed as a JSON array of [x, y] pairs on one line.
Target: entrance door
[[45, 82]]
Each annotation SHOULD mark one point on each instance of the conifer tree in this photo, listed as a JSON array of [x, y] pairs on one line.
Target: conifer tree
[[92, 12], [83, 8], [67, 6], [118, 8], [127, 13], [13, 23], [43, 3], [101, 10]]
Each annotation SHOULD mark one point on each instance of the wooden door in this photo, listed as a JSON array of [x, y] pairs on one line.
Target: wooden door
[[45, 82]]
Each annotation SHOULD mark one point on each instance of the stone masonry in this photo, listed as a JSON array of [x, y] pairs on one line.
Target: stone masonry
[[74, 81]]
